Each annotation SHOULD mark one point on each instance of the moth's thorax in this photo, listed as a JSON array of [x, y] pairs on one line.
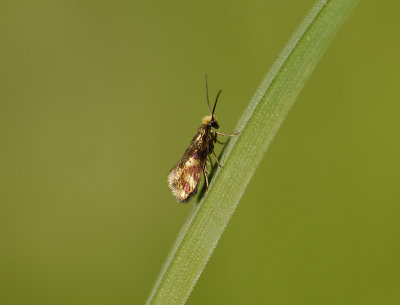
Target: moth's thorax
[[207, 119]]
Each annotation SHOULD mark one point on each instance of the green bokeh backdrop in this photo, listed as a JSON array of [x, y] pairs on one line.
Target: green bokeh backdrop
[[99, 99]]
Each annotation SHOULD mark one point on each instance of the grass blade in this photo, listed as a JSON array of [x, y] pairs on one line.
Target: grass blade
[[242, 155]]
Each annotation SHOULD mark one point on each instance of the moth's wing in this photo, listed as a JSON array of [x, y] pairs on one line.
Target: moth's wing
[[185, 176], [181, 163]]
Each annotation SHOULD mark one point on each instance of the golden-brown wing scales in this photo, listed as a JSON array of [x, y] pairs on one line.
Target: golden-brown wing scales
[[185, 176]]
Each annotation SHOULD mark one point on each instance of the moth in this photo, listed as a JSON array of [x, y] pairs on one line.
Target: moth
[[184, 178]]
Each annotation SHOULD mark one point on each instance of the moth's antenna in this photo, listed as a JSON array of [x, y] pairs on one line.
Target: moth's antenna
[[216, 100], [208, 101]]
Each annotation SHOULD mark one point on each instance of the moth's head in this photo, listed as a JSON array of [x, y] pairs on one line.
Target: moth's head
[[211, 120]]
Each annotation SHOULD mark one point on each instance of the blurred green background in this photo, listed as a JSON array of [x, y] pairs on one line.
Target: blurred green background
[[99, 99]]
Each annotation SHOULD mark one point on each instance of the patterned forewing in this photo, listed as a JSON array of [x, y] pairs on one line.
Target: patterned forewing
[[185, 177]]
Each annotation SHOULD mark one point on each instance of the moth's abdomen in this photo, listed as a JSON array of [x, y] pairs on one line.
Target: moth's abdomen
[[185, 177]]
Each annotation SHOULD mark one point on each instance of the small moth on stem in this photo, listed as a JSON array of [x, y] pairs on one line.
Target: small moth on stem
[[185, 176]]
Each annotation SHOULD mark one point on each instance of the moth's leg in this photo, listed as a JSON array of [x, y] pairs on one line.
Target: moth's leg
[[209, 160], [227, 135], [215, 139], [216, 159], [205, 172]]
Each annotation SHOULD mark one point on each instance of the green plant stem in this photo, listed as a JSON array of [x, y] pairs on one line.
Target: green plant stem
[[258, 125]]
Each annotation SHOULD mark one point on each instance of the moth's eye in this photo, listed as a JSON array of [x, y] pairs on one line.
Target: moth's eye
[[214, 124]]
